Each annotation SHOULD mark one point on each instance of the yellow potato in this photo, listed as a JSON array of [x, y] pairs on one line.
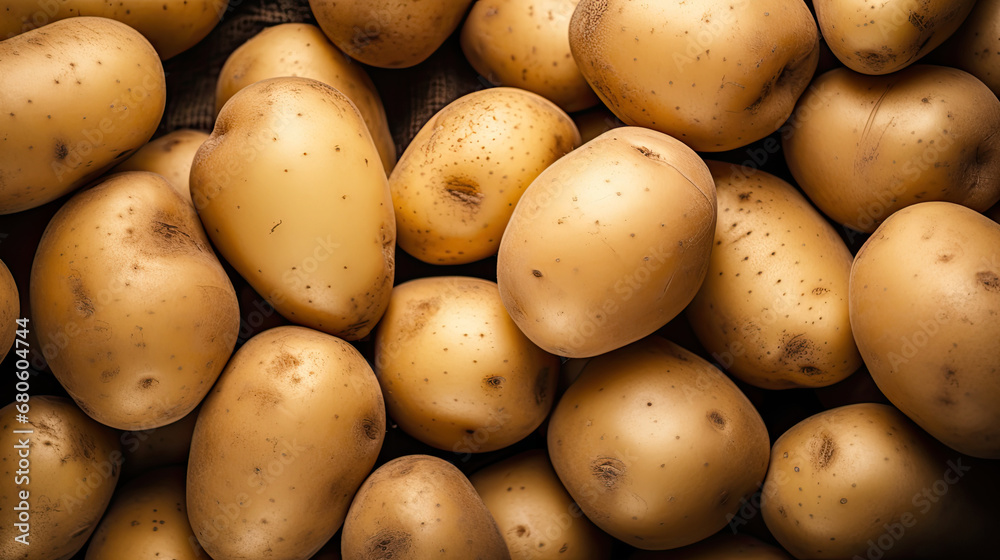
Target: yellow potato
[[291, 191], [134, 313], [170, 155], [299, 49], [457, 183], [10, 310], [973, 46], [79, 95], [609, 243]]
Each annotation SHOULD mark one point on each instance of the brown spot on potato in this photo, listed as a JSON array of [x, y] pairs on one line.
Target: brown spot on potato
[[283, 363], [369, 428], [81, 298], [795, 348], [109, 374], [745, 195], [717, 419], [918, 20], [61, 150], [945, 258], [536, 273], [465, 191], [819, 291], [646, 152], [149, 382], [823, 450], [494, 381], [522, 531], [810, 370], [989, 280], [608, 470], [387, 544], [541, 385]]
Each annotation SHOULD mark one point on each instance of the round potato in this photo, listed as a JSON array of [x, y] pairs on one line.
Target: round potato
[[299, 49], [170, 155], [10, 310], [924, 301], [417, 506], [714, 74], [773, 307], [79, 95], [58, 479], [609, 243], [460, 178], [286, 437], [722, 546], [656, 446]]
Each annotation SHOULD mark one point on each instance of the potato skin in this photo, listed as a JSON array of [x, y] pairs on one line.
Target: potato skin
[[75, 464], [286, 437], [299, 49], [134, 312], [93, 71], [460, 178], [10, 310], [924, 297], [417, 506], [291, 192], [656, 446], [609, 243], [865, 146], [972, 47], [773, 307], [170, 155]]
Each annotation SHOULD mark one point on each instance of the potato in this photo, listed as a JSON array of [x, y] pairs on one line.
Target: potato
[[167, 445], [147, 519], [714, 74], [535, 514], [386, 33], [973, 47], [79, 95], [525, 44], [924, 300], [134, 312], [459, 179], [656, 446], [58, 479], [170, 155], [10, 310], [609, 243], [417, 506], [862, 147], [773, 307], [290, 190], [171, 26], [286, 437], [722, 546], [299, 49], [885, 37]]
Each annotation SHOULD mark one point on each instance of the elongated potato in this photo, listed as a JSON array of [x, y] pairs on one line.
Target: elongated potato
[[79, 95], [170, 155]]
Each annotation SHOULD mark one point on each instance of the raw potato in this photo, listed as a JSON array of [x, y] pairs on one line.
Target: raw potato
[[973, 47], [287, 436], [290, 190], [387, 33], [299, 49], [170, 155], [924, 299], [865, 146], [135, 314], [884, 37], [656, 446], [171, 26], [455, 371], [773, 307], [723, 546], [417, 506], [158, 447], [714, 74], [535, 514], [609, 243], [10, 310], [462, 175], [525, 44], [148, 519], [74, 464], [80, 95]]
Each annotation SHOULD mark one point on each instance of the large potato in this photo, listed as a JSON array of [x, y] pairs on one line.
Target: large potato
[[170, 155], [716, 74], [460, 178], [924, 302], [418, 507], [57, 480], [865, 146], [10, 310], [284, 440], [78, 96], [773, 307], [609, 243], [299, 49], [656, 446], [291, 191]]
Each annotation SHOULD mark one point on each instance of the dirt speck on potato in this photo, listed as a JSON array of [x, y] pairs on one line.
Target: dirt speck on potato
[[387, 544], [608, 471]]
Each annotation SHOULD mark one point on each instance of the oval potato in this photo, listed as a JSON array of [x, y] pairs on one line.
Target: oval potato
[[170, 155]]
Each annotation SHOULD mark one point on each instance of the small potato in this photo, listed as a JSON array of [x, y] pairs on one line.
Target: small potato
[[460, 178], [73, 467], [170, 155], [722, 546], [79, 95], [417, 506], [10, 310]]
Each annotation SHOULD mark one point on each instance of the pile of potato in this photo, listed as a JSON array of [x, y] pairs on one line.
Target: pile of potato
[[697, 279]]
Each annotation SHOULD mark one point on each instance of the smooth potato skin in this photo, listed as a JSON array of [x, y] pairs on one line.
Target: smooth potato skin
[[924, 301], [299, 49], [10, 310], [170, 155], [773, 308], [973, 47], [75, 464], [656, 446], [80, 94], [286, 437], [417, 506]]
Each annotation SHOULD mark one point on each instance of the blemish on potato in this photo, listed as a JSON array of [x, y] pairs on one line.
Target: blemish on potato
[[823, 450], [149, 382], [989, 280], [608, 470], [494, 381], [717, 419], [387, 544]]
